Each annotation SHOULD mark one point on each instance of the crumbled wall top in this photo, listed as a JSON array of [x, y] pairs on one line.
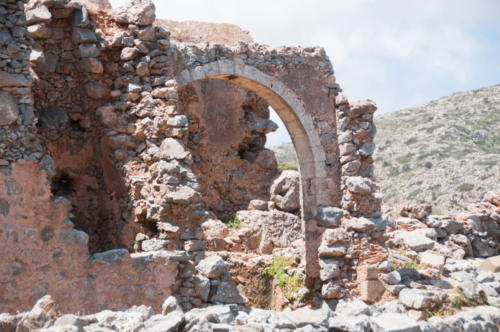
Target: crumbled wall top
[[200, 32]]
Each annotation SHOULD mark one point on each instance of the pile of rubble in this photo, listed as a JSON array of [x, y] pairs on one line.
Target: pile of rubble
[[347, 316]]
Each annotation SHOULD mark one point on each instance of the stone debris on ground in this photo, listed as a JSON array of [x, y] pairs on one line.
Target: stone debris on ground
[[350, 315]]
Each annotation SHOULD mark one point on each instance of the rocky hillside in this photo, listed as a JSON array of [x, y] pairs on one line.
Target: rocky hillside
[[285, 154], [446, 152]]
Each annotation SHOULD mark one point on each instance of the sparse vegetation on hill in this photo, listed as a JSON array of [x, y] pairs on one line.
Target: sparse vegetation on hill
[[446, 152]]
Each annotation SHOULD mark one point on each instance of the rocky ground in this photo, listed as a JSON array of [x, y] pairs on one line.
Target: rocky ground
[[353, 315], [441, 273]]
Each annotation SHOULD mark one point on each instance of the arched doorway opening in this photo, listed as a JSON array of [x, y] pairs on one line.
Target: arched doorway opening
[[305, 136]]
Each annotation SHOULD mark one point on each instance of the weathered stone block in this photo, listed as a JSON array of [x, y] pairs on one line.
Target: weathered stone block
[[329, 269], [329, 216], [491, 264], [84, 36], [88, 51], [212, 266], [393, 322], [335, 235], [332, 251], [362, 225], [38, 31], [39, 14], [367, 272], [414, 299], [172, 148], [371, 290], [431, 260], [9, 112], [138, 12], [331, 290]]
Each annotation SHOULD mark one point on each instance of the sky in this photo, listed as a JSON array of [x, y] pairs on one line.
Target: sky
[[398, 53]]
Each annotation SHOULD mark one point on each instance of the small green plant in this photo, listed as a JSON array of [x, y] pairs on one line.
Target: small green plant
[[409, 265], [463, 301], [405, 159], [277, 269], [231, 221], [289, 284], [465, 187]]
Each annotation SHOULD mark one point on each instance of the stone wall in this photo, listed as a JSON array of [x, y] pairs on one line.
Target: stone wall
[[227, 134], [136, 140]]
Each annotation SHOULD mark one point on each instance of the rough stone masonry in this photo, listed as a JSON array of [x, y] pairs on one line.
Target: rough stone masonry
[[117, 142]]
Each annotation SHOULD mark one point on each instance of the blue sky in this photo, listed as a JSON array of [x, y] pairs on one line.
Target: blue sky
[[397, 53]]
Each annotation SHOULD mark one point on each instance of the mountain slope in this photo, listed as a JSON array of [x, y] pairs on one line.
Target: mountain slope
[[446, 152]]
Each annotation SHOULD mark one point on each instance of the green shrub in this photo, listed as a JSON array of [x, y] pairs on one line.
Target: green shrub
[[405, 159], [412, 140], [463, 301], [231, 221], [465, 187], [289, 284]]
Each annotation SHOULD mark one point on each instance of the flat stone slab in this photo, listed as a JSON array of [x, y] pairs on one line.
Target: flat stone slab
[[392, 322], [491, 264]]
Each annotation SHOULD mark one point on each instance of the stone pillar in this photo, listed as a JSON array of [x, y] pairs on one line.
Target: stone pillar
[[356, 131]]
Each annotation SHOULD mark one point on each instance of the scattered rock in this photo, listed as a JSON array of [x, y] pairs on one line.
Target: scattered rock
[[416, 211], [361, 224], [415, 299], [212, 266], [392, 278], [415, 241], [285, 191], [393, 322], [170, 304], [491, 264], [172, 148], [141, 12], [227, 292], [371, 290]]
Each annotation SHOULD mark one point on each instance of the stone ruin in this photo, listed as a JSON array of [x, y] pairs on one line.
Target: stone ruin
[[123, 143]]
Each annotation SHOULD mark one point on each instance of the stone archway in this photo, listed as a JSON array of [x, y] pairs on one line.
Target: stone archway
[[305, 134]]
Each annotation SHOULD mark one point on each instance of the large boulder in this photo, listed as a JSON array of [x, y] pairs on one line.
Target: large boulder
[[285, 191], [139, 12], [275, 229]]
